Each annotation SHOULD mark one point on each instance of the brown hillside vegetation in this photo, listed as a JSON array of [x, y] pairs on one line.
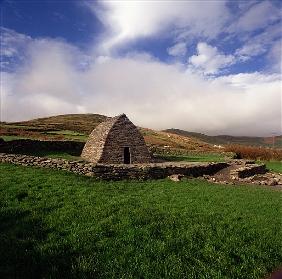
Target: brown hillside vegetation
[[255, 153], [79, 126], [271, 141], [83, 123], [168, 141]]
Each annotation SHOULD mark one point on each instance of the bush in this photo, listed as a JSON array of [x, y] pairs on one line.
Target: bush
[[254, 153]]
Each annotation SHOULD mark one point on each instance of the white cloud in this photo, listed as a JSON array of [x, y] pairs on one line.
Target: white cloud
[[256, 17], [178, 49], [260, 43], [12, 45], [209, 60], [274, 57], [45, 84], [248, 80], [11, 41], [243, 5], [130, 20], [152, 93]]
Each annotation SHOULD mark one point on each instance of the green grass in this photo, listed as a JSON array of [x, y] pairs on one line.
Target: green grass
[[56, 154], [9, 138], [275, 166], [203, 157], [58, 225], [65, 132], [18, 126], [70, 135]]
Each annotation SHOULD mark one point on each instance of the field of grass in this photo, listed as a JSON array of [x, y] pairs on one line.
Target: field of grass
[[58, 225], [46, 135], [9, 138], [83, 123], [55, 154], [69, 135], [274, 166], [204, 157]]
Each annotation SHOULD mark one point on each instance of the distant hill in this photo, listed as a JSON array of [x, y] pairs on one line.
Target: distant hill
[[83, 123], [226, 139], [79, 126], [170, 141]]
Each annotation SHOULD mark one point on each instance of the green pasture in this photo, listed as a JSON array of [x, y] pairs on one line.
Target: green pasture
[[55, 224]]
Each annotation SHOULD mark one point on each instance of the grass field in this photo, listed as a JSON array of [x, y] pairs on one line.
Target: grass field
[[69, 135], [274, 166], [55, 154], [9, 138], [58, 225], [204, 157]]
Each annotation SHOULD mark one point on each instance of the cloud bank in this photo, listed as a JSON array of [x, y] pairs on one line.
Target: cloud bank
[[129, 20], [191, 90], [152, 93]]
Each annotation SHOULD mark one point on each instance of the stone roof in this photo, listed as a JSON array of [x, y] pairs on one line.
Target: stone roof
[[107, 141]]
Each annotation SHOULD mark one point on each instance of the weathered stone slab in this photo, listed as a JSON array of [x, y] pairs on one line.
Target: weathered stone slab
[[249, 170]]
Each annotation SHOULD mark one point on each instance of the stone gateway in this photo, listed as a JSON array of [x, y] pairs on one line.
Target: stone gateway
[[116, 141]]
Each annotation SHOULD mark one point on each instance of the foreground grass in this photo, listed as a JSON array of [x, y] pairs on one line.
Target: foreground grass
[[58, 225]]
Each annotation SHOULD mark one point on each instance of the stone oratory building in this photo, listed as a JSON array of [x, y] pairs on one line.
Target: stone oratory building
[[116, 141]]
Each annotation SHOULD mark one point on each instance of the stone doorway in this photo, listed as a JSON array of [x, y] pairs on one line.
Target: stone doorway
[[126, 155]]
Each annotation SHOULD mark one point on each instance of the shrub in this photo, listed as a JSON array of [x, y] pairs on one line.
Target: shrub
[[254, 153]]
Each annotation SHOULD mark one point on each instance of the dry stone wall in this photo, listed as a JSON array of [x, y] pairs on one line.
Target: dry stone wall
[[115, 172], [249, 170], [26, 146]]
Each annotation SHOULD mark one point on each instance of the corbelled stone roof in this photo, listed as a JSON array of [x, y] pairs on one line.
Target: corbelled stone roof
[[107, 141]]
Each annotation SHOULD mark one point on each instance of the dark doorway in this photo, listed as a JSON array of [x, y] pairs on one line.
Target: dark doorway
[[126, 155]]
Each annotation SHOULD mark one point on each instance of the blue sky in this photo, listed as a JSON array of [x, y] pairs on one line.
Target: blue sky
[[161, 62]]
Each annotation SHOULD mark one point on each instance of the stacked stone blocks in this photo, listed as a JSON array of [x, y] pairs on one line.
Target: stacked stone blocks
[[108, 140]]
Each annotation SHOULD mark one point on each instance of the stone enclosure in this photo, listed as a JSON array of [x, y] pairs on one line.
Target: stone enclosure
[[29, 146], [223, 173], [116, 150], [118, 171]]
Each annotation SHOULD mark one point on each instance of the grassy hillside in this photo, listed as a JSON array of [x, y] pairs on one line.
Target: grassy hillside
[[83, 123], [172, 142], [78, 126], [225, 139], [55, 224], [60, 127]]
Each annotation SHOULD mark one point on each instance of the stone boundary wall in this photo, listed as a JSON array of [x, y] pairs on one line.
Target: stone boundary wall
[[116, 172], [25, 146], [249, 170]]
